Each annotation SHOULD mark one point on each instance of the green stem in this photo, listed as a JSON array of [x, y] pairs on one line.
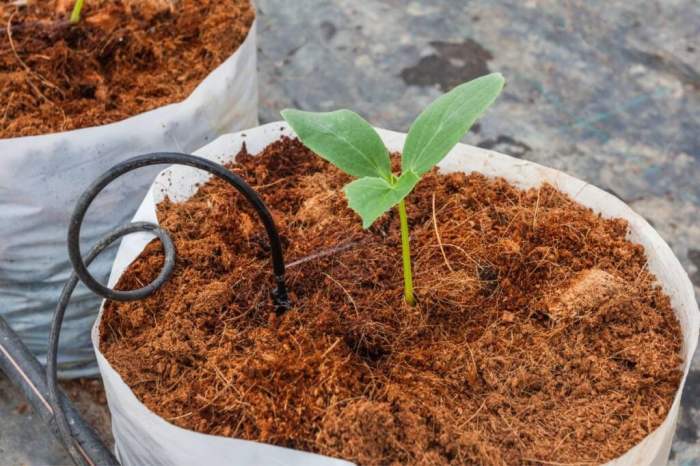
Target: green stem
[[75, 14], [406, 253]]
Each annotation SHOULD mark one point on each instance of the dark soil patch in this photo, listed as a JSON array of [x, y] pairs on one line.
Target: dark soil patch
[[125, 57], [540, 336], [453, 63]]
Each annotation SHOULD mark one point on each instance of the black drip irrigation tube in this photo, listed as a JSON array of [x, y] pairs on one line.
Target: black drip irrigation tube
[[25, 371]]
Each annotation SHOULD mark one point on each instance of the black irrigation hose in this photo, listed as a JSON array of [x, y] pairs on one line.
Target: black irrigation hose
[[51, 360], [81, 273], [178, 159], [22, 368]]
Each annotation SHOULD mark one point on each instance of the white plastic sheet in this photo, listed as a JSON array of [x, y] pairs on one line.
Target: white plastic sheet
[[42, 176], [142, 437]]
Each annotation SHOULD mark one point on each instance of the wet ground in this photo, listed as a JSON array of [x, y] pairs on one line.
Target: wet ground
[[608, 91]]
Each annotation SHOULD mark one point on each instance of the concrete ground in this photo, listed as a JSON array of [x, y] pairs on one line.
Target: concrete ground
[[608, 91]]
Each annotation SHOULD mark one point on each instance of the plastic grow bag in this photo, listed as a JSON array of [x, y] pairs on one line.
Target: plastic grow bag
[[42, 176], [142, 437]]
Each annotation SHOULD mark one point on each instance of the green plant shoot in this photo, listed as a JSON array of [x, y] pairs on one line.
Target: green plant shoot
[[350, 143], [75, 14]]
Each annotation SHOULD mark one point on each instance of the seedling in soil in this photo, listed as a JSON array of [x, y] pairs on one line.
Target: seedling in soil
[[75, 14], [350, 143]]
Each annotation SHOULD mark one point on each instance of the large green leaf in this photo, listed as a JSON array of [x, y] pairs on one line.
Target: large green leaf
[[344, 139], [370, 197], [443, 123]]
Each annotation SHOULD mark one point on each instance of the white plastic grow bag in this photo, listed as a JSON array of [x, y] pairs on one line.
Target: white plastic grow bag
[[42, 176], [142, 437]]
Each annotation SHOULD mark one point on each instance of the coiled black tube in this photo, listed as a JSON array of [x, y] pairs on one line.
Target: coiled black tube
[[80, 265]]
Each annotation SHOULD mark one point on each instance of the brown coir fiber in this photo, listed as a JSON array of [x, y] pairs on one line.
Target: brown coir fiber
[[505, 360], [125, 57]]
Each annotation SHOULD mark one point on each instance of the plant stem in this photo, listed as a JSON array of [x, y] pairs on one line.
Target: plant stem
[[406, 253], [75, 14]]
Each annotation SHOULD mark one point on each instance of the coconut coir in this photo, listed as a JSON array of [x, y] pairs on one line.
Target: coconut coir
[[481, 371], [123, 58]]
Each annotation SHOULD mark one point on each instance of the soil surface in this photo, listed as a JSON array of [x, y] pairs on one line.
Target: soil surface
[[123, 58], [540, 337]]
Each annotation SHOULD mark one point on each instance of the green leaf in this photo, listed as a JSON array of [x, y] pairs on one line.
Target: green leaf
[[370, 197], [443, 123], [344, 139], [75, 14]]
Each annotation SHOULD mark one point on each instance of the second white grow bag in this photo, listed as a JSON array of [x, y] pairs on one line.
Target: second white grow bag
[[142, 437], [42, 176]]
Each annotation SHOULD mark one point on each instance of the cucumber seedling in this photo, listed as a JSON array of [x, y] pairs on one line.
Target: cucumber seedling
[[75, 14], [347, 141]]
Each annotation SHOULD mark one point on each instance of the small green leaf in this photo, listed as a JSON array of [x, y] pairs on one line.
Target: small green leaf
[[344, 139], [370, 197], [443, 123]]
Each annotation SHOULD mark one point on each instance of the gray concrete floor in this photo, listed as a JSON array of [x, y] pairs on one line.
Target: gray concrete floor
[[608, 91]]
